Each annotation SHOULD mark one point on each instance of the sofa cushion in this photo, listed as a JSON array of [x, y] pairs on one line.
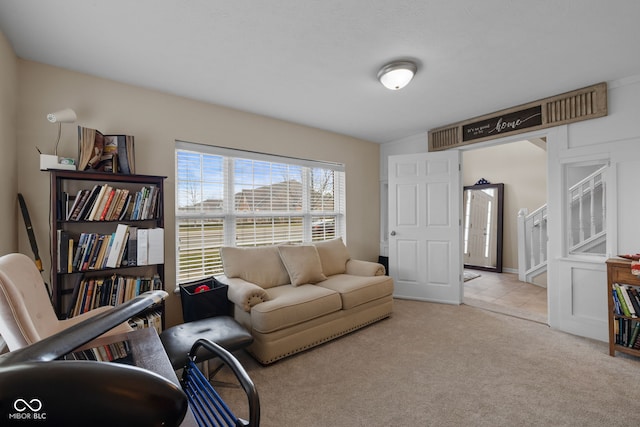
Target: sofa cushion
[[303, 263], [333, 256], [261, 265], [357, 290], [290, 305]]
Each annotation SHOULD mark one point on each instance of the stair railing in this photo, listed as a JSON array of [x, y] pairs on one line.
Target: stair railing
[[586, 206]]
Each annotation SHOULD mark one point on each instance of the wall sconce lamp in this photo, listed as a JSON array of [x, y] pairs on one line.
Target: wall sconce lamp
[[48, 161], [396, 75]]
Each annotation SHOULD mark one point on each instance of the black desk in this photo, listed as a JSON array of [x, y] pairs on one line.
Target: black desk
[[148, 353]]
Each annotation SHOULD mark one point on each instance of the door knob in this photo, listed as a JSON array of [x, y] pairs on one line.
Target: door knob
[[393, 233]]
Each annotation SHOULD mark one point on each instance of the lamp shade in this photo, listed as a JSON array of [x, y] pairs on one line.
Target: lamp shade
[[397, 75], [63, 116]]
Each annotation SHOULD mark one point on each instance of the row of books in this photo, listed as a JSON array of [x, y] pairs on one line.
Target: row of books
[[107, 203], [626, 300], [152, 319], [93, 292], [120, 351], [127, 246], [626, 332], [115, 352]]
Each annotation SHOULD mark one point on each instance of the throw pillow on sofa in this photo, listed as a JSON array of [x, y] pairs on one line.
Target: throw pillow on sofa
[[333, 256], [302, 263], [260, 265]]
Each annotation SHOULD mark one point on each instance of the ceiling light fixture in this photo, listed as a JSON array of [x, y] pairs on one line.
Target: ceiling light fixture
[[397, 75]]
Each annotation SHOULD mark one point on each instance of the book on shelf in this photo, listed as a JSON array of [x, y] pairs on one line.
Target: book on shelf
[[119, 352], [99, 203], [119, 242], [87, 204], [131, 252], [76, 201], [105, 153], [155, 246], [634, 297], [627, 332], [142, 246], [150, 320], [127, 246], [93, 292], [125, 152], [62, 262], [104, 208], [625, 303], [107, 203], [634, 334]]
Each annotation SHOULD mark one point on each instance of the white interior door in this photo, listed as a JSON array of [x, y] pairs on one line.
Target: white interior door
[[425, 216]]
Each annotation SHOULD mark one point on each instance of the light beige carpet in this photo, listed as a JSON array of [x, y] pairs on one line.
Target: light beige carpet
[[443, 365], [507, 310]]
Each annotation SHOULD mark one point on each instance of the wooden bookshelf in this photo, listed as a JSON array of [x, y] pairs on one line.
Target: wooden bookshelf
[[619, 271], [65, 185]]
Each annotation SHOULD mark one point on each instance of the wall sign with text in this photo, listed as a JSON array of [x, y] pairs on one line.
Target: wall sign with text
[[503, 124], [581, 104]]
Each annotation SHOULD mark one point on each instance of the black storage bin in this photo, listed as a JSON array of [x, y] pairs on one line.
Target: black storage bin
[[201, 305]]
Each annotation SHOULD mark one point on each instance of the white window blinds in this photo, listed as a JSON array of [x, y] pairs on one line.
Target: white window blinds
[[228, 197]]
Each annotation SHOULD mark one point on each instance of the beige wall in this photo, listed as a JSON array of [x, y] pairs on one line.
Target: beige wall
[[157, 120], [522, 167], [8, 184]]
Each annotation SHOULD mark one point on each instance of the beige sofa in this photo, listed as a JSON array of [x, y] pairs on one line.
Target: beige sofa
[[294, 297]]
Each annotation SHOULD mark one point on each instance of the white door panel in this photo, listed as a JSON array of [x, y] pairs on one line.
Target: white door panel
[[425, 210]]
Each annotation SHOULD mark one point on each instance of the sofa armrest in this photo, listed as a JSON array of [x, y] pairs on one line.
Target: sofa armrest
[[244, 294], [364, 268]]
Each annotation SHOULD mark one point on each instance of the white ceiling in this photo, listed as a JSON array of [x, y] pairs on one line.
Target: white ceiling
[[315, 62]]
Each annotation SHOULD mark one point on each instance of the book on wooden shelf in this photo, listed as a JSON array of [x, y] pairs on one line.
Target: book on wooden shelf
[[119, 352], [625, 302], [93, 292], [107, 203], [76, 202], [86, 204], [105, 153], [125, 152], [127, 246], [119, 242], [150, 320], [634, 297], [634, 334]]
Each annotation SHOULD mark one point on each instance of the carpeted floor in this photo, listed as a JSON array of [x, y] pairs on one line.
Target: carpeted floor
[[443, 365]]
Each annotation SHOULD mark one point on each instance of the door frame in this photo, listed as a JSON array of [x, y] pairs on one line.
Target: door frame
[[556, 136]]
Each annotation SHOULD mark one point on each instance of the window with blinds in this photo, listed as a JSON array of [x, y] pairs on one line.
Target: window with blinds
[[229, 197]]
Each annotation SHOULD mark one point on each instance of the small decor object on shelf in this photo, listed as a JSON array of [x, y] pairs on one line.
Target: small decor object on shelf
[[105, 153], [634, 257], [635, 268]]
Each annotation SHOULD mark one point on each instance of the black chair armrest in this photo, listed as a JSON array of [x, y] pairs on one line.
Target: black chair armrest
[[88, 393], [237, 369], [66, 341]]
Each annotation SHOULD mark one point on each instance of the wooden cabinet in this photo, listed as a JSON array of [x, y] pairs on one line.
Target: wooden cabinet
[[68, 276], [619, 271]]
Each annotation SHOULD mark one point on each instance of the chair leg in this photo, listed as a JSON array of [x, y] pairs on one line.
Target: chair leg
[[210, 375]]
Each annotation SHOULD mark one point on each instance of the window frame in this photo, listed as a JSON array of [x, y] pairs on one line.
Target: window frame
[[229, 215]]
